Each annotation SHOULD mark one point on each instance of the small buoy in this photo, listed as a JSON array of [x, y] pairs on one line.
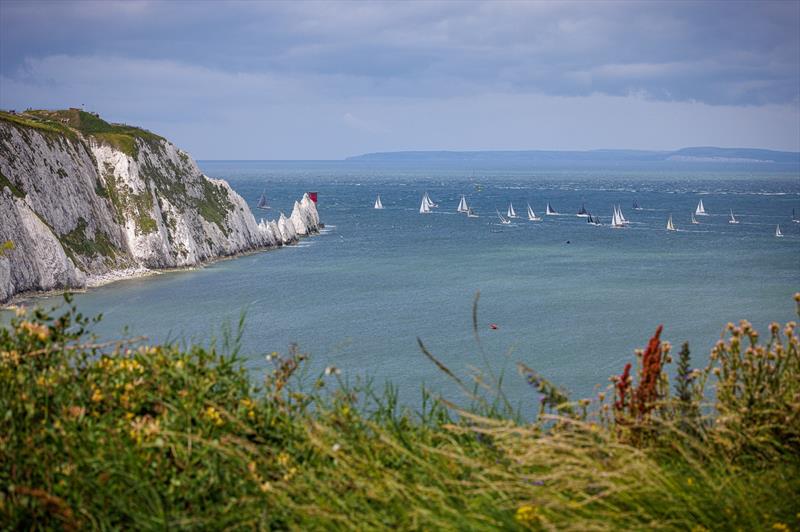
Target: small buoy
[[493, 326]]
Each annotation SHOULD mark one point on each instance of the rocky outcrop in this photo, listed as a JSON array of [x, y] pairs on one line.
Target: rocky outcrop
[[81, 200]]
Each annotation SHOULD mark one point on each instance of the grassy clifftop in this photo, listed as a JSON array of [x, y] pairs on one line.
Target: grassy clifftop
[[130, 435], [67, 122]]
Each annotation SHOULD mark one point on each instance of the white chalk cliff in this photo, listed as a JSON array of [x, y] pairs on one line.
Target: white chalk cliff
[[81, 199]]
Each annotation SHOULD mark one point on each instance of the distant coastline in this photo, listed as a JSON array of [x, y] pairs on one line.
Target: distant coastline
[[733, 156]]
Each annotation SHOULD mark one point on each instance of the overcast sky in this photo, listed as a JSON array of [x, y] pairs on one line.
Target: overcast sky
[[324, 80]]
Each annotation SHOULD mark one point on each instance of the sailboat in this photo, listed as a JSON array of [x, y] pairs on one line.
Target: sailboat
[[778, 231], [670, 227], [795, 219], [262, 201], [430, 202], [424, 207], [532, 215], [503, 220], [592, 220], [583, 213], [621, 216], [471, 213], [462, 205], [636, 206], [511, 212], [616, 219], [378, 204], [700, 210], [550, 211], [694, 220], [733, 219]]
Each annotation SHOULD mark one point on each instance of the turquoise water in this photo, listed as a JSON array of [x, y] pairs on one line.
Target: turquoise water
[[359, 295]]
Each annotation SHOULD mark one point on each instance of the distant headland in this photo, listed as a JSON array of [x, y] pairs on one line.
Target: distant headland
[[691, 155]]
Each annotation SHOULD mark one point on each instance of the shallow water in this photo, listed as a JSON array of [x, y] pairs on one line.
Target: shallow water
[[358, 295]]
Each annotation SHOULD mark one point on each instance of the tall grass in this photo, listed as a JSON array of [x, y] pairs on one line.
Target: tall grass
[[125, 434]]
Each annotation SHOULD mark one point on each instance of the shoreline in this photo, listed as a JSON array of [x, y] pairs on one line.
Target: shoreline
[[99, 280]]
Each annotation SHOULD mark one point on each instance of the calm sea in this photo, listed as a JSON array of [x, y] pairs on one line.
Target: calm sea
[[570, 300]]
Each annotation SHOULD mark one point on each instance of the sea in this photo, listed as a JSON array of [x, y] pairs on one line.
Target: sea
[[570, 300]]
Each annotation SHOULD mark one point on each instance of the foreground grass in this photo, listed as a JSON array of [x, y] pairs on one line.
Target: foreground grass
[[154, 436]]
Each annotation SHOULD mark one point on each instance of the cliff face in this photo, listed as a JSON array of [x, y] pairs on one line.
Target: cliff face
[[81, 198]]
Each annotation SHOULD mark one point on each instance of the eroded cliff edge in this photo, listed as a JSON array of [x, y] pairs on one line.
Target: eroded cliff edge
[[82, 200]]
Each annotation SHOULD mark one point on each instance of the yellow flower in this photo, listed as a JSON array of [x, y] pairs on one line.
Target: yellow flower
[[690, 481], [289, 474], [699, 528], [527, 513], [780, 526], [283, 459], [214, 416], [97, 395], [265, 487]]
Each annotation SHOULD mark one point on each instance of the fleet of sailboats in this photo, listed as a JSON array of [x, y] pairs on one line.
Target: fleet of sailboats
[[532, 215], [617, 218]]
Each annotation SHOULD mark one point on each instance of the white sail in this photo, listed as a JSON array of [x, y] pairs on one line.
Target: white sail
[[511, 212], [549, 211], [733, 219], [616, 221], [621, 217], [532, 215], [700, 210], [424, 208], [378, 204], [503, 220], [471, 213], [778, 231], [694, 220], [262, 201], [429, 201], [462, 205], [670, 227]]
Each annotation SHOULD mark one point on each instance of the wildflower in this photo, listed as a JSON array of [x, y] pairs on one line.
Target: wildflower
[[699, 528], [332, 370], [179, 364], [37, 330], [335, 448], [690, 481], [212, 414], [265, 487], [781, 527], [272, 356], [97, 395], [289, 474], [283, 459], [527, 513]]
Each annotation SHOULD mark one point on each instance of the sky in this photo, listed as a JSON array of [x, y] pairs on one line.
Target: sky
[[326, 80]]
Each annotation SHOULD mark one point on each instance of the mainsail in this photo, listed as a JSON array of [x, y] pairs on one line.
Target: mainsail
[[616, 219], [670, 227], [778, 231], [262, 201], [583, 213], [700, 210], [503, 220], [462, 205], [694, 220], [378, 204], [550, 211], [511, 212], [424, 207], [733, 219], [532, 215]]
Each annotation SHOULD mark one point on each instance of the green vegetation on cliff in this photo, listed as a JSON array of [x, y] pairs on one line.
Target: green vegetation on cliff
[[130, 435]]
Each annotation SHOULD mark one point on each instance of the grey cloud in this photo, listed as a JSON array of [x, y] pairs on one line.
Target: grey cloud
[[742, 53]]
